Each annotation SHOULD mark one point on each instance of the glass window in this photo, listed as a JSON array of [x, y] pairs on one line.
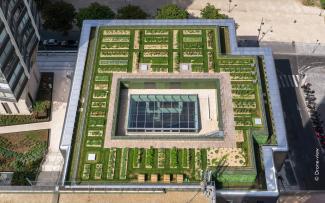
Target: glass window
[[3, 35], [15, 74]]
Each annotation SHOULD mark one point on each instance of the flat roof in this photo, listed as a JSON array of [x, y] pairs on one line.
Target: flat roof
[[235, 50]]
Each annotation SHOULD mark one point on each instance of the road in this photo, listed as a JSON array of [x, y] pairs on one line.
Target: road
[[305, 153]]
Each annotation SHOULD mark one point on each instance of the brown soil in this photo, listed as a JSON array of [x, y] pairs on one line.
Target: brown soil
[[21, 142]]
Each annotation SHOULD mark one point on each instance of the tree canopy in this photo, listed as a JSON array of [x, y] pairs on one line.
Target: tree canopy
[[131, 12], [58, 16], [171, 11], [94, 11], [41, 4], [211, 12]]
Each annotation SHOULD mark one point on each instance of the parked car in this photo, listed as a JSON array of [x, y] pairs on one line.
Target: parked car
[[64, 43], [50, 42], [72, 43]]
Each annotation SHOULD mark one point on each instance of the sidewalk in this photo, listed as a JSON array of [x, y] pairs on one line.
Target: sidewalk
[[289, 19], [61, 86], [25, 127]]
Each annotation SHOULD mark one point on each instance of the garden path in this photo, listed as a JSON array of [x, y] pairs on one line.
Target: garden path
[[62, 65]]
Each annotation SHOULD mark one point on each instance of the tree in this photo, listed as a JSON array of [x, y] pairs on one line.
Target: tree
[[94, 11], [41, 4], [171, 11], [211, 12], [131, 12], [58, 16]]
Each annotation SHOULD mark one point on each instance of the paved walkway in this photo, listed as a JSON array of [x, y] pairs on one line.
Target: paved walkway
[[24, 127], [62, 65], [289, 19]]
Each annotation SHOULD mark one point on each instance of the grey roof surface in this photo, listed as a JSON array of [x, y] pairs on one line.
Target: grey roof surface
[[273, 87]]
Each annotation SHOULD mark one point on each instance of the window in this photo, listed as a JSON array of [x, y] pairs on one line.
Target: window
[[15, 74], [16, 107], [6, 107], [30, 98], [3, 35], [5, 52]]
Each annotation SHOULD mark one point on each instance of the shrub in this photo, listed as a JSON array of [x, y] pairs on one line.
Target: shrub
[[131, 12], [211, 12], [94, 11], [171, 11], [58, 16]]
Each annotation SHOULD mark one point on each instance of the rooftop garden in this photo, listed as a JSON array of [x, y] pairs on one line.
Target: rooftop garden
[[22, 154], [163, 49]]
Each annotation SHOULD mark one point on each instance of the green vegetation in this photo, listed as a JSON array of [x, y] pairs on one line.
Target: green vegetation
[[171, 11], [121, 49], [22, 153], [41, 108], [211, 12], [58, 16], [131, 12], [94, 11], [322, 3]]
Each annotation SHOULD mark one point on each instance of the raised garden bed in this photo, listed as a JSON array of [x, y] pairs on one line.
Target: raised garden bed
[[23, 153], [41, 107]]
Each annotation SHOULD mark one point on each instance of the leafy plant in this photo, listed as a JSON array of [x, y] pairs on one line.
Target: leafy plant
[[211, 12], [131, 12], [94, 11], [171, 11], [58, 16]]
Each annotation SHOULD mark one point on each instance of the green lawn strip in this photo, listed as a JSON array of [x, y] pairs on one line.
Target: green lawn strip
[[192, 164], [86, 172], [231, 180], [104, 161], [111, 164], [85, 123], [180, 46], [124, 163], [136, 157], [185, 158], [131, 46], [98, 171], [117, 164], [198, 164], [79, 120], [205, 52], [150, 156], [170, 51], [167, 158], [173, 158], [161, 158], [94, 143]]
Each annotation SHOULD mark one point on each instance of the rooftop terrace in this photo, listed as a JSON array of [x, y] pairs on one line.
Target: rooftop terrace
[[194, 48]]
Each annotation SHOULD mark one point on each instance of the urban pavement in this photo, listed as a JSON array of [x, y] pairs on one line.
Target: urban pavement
[[289, 20], [305, 167]]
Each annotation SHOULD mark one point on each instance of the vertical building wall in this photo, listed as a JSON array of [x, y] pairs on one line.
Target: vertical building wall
[[19, 38]]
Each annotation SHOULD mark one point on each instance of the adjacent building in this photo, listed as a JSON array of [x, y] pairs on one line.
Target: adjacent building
[[19, 38]]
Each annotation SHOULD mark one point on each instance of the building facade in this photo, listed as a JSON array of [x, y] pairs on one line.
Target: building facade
[[19, 38]]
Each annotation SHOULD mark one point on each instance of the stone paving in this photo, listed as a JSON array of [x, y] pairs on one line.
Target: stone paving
[[289, 19], [233, 157]]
